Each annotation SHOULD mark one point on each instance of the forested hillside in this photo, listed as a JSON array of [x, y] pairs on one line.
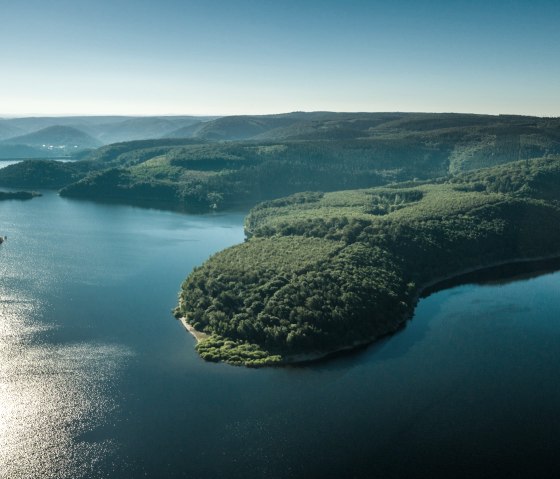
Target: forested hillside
[[202, 176], [241, 160], [47, 174], [320, 151], [328, 271]]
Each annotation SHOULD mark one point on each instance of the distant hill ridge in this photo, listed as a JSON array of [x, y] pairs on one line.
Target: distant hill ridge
[[56, 136], [279, 155], [285, 126], [338, 126], [105, 129]]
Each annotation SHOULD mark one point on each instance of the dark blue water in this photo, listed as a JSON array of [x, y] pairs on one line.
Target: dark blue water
[[98, 380]]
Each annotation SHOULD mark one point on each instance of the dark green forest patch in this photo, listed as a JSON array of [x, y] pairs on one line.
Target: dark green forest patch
[[323, 272]]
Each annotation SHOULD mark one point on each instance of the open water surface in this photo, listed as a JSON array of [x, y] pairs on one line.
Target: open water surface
[[97, 379]]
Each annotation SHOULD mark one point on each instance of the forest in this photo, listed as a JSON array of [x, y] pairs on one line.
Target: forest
[[323, 272], [233, 162]]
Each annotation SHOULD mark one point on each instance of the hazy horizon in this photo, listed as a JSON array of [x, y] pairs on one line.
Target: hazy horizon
[[202, 115], [171, 57]]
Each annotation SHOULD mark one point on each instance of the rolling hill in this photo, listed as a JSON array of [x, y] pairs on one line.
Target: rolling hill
[[105, 129], [318, 151], [370, 149], [65, 138], [142, 128], [7, 130]]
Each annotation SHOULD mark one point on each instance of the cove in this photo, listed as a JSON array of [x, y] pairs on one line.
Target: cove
[[97, 379]]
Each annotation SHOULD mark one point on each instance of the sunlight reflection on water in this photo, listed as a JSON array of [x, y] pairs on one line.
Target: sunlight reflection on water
[[49, 396], [85, 292]]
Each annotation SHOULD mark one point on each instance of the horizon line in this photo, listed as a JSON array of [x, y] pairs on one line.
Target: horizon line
[[13, 116]]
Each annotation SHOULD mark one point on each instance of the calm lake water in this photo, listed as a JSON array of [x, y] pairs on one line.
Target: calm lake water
[[97, 379]]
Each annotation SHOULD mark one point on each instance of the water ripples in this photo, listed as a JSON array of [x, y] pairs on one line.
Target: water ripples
[[54, 398]]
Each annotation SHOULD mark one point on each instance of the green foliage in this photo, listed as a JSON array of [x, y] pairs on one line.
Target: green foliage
[[245, 173], [322, 272], [121, 154], [216, 348], [41, 174], [310, 152]]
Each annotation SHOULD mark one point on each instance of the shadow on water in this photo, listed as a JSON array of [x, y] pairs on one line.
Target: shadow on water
[[387, 348], [161, 205], [499, 275]]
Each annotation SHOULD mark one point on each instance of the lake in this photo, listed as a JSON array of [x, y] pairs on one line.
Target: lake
[[97, 379]]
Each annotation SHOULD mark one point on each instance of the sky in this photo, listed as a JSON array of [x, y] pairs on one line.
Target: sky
[[224, 57]]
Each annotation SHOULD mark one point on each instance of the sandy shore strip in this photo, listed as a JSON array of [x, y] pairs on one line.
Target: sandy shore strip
[[198, 335]]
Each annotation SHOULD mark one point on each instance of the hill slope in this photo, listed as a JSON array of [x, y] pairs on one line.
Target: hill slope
[[44, 174], [7, 130], [202, 176], [141, 128], [370, 149], [321, 151], [56, 137]]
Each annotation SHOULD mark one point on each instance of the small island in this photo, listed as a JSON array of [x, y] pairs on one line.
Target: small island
[[321, 273], [18, 195]]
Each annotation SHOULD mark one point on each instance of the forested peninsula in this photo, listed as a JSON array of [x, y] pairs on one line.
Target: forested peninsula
[[324, 272]]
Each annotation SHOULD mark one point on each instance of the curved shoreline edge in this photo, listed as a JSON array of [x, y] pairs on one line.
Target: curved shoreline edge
[[398, 324], [198, 335]]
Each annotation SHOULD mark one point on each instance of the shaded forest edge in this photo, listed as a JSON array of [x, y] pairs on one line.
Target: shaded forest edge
[[324, 272], [18, 195]]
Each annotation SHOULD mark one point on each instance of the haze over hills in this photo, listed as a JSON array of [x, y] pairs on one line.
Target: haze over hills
[[103, 129], [142, 128], [8, 130], [288, 126], [56, 136], [48, 142], [279, 155], [246, 127], [295, 125], [338, 126], [189, 131]]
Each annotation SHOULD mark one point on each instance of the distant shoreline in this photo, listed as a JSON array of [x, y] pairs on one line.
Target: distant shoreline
[[18, 195]]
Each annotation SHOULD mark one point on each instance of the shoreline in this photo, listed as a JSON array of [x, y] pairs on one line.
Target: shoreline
[[398, 324], [495, 264], [198, 335]]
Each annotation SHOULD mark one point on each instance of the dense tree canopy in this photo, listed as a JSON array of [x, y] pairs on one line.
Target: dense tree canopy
[[322, 272]]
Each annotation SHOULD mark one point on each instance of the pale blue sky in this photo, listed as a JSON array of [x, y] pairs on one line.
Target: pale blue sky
[[232, 57]]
